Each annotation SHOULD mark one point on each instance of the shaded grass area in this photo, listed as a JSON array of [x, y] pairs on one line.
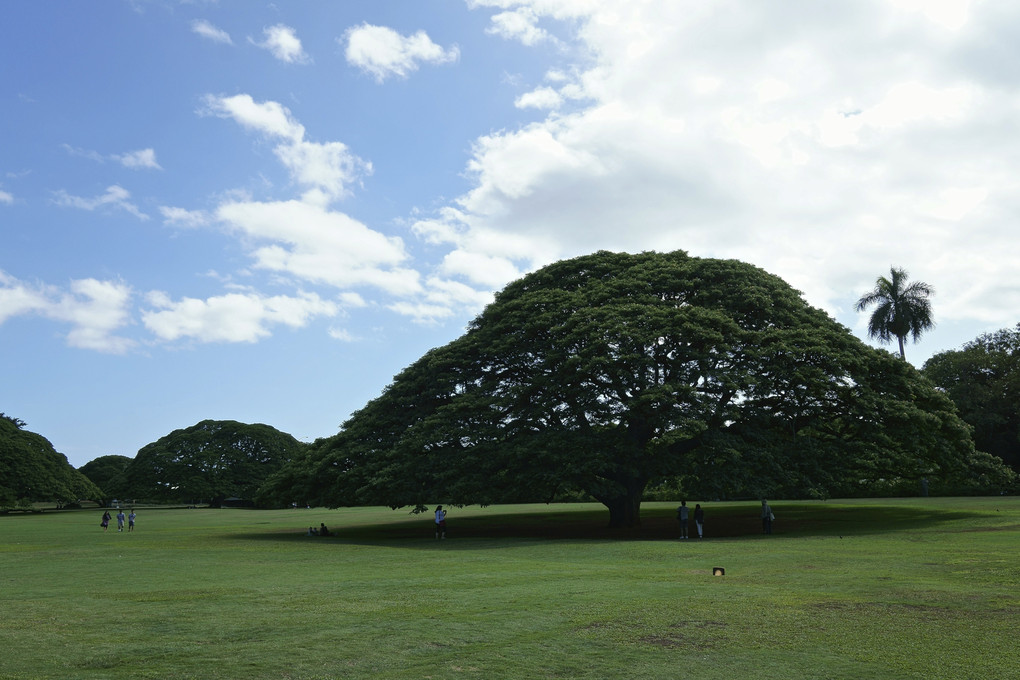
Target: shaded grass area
[[914, 588], [725, 520]]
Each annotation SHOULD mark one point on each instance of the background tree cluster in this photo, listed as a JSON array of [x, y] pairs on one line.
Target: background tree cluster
[[606, 373], [31, 470], [983, 380], [209, 462]]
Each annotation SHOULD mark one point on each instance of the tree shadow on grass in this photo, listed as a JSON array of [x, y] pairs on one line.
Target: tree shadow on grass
[[562, 523]]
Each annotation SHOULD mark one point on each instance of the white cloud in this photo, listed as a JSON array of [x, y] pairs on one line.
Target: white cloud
[[312, 243], [953, 203], [306, 239], [116, 197], [234, 317], [519, 24], [951, 14], [184, 218], [805, 141], [270, 118], [341, 334], [325, 169], [422, 312], [6, 197], [211, 32], [383, 52], [139, 159], [95, 309], [283, 43], [142, 158], [540, 98], [17, 298]]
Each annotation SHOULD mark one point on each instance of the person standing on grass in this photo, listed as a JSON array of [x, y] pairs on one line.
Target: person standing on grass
[[120, 520], [682, 515], [131, 520], [440, 522], [106, 520], [699, 520], [766, 517]]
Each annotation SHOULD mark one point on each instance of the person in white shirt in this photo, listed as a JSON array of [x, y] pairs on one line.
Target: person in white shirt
[[440, 522]]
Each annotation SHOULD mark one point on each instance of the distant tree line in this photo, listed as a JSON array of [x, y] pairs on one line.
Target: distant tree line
[[206, 463]]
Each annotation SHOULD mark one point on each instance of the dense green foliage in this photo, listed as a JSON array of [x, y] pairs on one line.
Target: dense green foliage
[[108, 473], [210, 461], [31, 470], [605, 373], [901, 309], [983, 380]]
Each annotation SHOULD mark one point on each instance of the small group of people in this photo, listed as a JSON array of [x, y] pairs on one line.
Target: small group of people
[[683, 516], [121, 517], [321, 531]]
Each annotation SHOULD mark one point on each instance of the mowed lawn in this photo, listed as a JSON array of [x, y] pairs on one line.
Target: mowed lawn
[[911, 588]]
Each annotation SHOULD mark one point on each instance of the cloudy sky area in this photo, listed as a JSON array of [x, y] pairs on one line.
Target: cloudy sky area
[[262, 212]]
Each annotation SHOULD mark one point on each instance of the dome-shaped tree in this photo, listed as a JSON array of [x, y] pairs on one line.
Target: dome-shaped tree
[[605, 373]]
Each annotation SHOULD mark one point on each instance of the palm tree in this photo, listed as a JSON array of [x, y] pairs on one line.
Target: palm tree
[[901, 309]]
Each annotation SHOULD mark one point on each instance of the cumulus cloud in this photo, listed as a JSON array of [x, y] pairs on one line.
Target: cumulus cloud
[[313, 243], [383, 52], [519, 24], [94, 309], [540, 98], [18, 298], [306, 239], [115, 197], [235, 317], [750, 131], [211, 32], [6, 197], [282, 42]]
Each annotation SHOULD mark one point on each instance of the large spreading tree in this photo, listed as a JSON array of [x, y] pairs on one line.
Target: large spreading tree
[[605, 373], [32, 470], [983, 380], [209, 462]]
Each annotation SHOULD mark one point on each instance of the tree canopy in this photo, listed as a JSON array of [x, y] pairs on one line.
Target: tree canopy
[[32, 470], [210, 461], [983, 380], [901, 308], [605, 373], [108, 473]]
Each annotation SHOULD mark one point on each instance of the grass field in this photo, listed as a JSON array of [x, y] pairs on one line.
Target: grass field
[[916, 588]]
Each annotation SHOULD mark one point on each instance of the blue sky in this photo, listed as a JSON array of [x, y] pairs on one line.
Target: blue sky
[[263, 211]]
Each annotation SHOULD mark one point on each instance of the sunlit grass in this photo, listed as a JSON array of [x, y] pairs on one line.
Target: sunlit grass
[[857, 589]]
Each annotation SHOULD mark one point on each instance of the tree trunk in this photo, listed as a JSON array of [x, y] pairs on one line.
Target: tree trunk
[[625, 508]]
